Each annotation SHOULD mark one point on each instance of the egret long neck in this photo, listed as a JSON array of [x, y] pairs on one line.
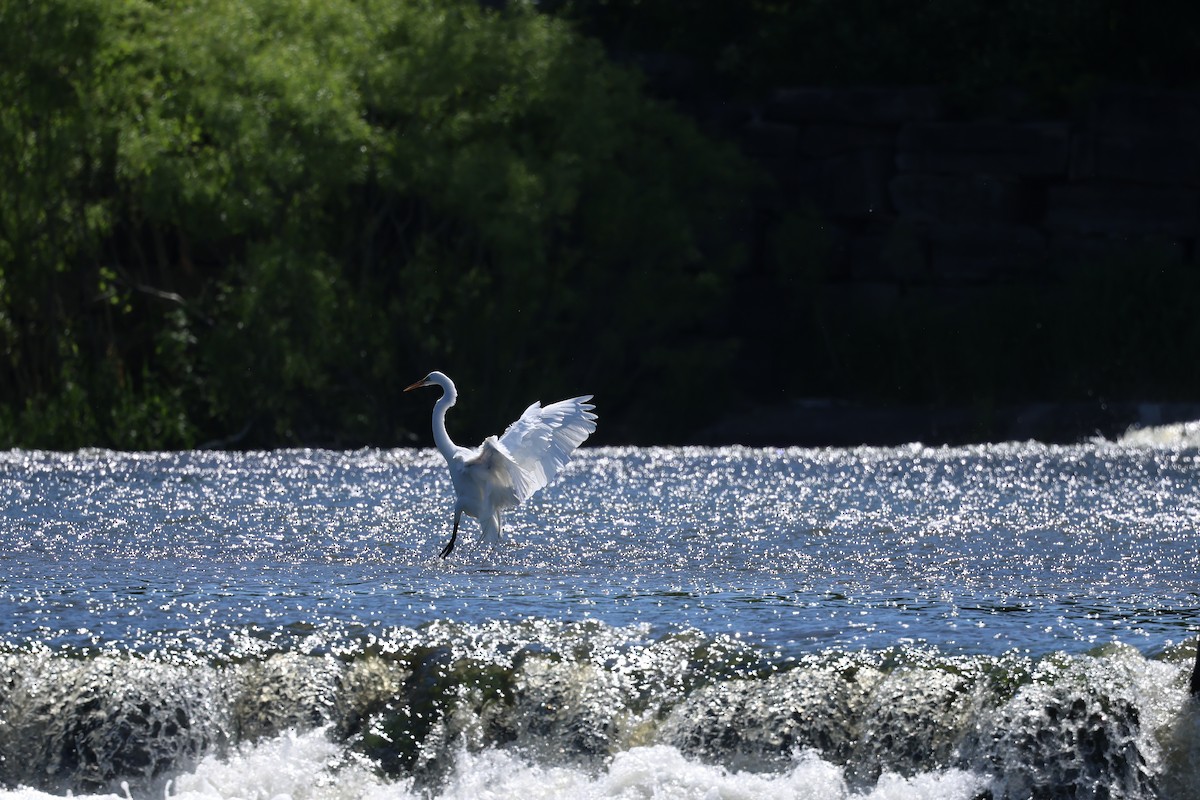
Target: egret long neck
[[440, 437]]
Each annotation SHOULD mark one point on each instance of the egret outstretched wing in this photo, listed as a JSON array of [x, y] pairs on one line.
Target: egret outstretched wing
[[542, 440], [498, 474]]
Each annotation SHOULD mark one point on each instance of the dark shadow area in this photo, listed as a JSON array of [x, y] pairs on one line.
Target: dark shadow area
[[238, 226]]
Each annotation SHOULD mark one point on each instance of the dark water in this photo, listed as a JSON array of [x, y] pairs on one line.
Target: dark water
[[1004, 621]]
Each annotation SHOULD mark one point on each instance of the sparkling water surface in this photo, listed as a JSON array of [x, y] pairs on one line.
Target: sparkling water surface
[[977, 550]]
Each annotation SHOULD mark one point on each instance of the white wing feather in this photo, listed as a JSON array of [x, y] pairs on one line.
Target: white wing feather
[[500, 480], [542, 440]]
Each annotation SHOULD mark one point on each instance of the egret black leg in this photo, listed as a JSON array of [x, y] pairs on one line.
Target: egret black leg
[[1196, 673], [453, 535]]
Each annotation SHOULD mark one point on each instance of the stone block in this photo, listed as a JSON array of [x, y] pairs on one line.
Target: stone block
[[1160, 157], [821, 139], [1145, 135], [962, 301], [985, 253], [861, 105], [762, 139], [725, 116], [1140, 134], [848, 186], [891, 251], [933, 198], [871, 298], [1117, 209], [1013, 148], [1072, 250], [803, 248], [1132, 109]]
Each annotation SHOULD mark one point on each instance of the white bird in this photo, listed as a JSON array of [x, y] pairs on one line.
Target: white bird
[[500, 473]]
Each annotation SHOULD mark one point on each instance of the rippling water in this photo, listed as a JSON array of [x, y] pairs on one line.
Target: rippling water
[[743, 621]]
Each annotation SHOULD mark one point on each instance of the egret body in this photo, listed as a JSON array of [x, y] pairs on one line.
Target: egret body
[[503, 471]]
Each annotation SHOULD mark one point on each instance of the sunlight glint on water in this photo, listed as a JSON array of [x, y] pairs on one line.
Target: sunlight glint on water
[[661, 622]]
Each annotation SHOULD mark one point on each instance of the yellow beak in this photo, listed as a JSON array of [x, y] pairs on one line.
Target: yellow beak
[[417, 385]]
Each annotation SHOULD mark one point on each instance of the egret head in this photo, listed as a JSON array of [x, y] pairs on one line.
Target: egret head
[[434, 378]]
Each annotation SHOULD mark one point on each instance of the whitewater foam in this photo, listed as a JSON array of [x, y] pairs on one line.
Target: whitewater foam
[[1180, 434], [292, 766], [309, 766]]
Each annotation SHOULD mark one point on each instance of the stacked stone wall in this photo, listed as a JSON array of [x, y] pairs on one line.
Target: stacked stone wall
[[917, 196]]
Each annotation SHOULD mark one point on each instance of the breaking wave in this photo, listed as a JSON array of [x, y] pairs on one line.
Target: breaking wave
[[553, 709]]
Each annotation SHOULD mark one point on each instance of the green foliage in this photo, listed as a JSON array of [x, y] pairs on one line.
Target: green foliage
[[253, 222], [257, 221], [552, 212], [52, 214]]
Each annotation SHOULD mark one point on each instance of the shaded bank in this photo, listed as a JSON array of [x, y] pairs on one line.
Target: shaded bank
[[251, 224]]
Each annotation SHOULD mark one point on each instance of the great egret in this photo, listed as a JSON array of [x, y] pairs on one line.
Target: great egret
[[502, 472]]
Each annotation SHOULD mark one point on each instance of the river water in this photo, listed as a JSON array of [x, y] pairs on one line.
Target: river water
[[1001, 621]]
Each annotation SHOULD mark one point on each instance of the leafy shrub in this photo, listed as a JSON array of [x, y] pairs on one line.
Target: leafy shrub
[[268, 217]]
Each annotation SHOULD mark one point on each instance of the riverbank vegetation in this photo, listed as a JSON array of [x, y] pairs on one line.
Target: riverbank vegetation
[[260, 220], [252, 222]]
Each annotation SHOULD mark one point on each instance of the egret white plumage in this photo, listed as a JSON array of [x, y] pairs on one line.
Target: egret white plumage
[[503, 471]]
